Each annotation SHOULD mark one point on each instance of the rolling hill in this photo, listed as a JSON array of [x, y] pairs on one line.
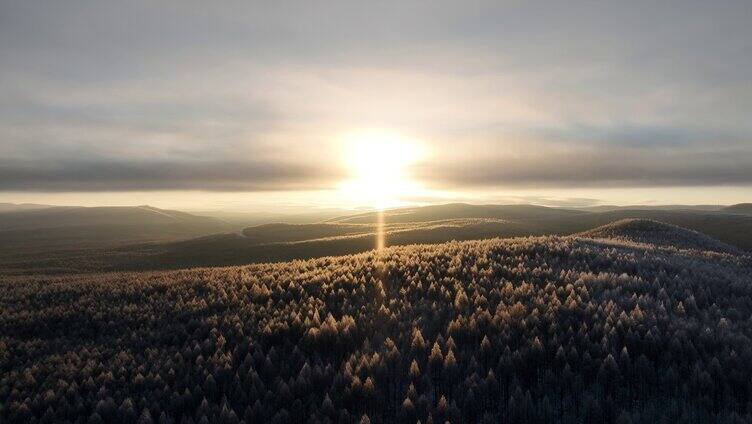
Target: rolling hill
[[241, 219], [155, 247], [741, 208], [67, 216], [18, 207], [732, 229], [280, 242], [459, 211], [522, 220], [609, 208], [526, 330], [66, 239], [658, 234], [235, 249]]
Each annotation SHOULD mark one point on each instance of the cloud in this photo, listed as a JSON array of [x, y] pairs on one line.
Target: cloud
[[544, 166], [105, 175], [141, 95]]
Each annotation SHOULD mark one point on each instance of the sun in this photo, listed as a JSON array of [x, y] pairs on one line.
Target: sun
[[379, 163]]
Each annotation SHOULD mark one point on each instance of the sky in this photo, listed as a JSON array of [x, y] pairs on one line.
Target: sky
[[257, 105]]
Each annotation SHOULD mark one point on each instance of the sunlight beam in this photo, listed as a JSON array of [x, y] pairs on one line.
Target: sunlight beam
[[380, 230]]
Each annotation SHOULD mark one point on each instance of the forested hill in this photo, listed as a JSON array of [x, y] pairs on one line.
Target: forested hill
[[659, 234], [741, 208], [533, 330], [145, 238]]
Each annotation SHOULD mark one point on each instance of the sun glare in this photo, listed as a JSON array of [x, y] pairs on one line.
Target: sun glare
[[379, 163]]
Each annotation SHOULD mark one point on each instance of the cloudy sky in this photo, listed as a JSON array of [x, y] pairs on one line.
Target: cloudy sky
[[210, 104]]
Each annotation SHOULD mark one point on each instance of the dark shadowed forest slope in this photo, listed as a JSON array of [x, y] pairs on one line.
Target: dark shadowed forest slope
[[528, 330], [301, 242], [65, 216], [65, 239], [284, 232], [248, 219], [18, 207]]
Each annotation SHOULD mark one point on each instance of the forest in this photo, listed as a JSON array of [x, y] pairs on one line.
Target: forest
[[581, 329]]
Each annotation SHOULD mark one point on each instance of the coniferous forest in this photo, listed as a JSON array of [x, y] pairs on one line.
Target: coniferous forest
[[531, 330]]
